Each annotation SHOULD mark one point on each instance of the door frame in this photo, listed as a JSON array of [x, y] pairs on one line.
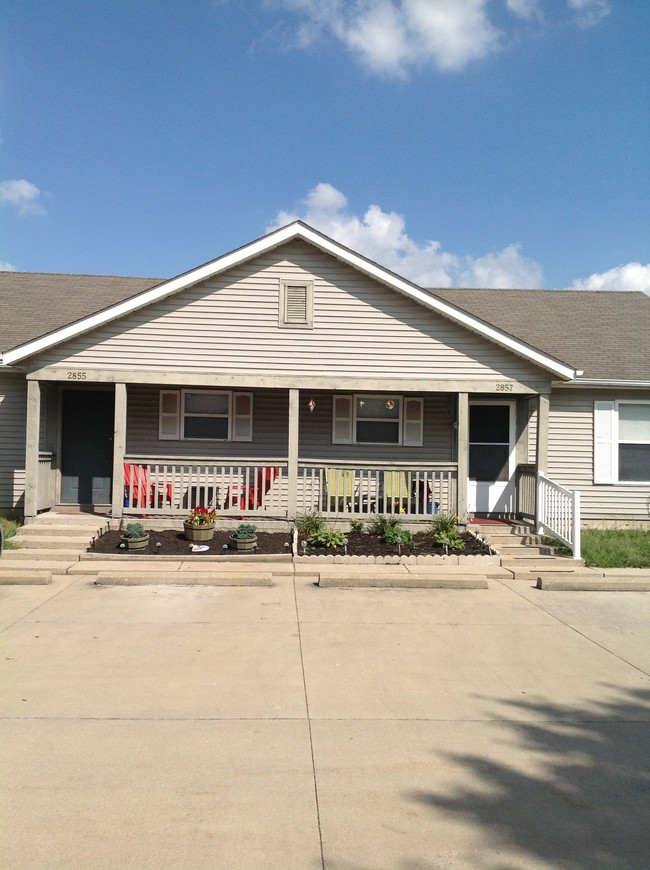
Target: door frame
[[486, 497], [96, 388]]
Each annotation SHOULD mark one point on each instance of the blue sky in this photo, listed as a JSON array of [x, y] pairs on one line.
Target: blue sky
[[458, 142]]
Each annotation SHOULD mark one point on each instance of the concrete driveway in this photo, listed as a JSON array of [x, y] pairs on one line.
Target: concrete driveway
[[298, 727]]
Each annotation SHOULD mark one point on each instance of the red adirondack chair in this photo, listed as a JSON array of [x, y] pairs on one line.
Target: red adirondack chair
[[252, 497], [138, 492]]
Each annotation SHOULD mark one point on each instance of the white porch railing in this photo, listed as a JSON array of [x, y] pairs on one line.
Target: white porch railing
[[169, 487], [526, 483], [362, 489], [46, 484], [558, 513], [255, 487]]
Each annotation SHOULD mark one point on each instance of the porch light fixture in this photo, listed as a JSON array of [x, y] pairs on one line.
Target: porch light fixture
[[311, 404], [390, 404]]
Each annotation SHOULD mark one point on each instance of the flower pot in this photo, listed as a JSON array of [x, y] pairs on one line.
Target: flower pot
[[136, 543], [198, 533], [244, 544]]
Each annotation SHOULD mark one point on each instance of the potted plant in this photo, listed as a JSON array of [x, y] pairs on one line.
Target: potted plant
[[244, 537], [199, 525], [135, 537]]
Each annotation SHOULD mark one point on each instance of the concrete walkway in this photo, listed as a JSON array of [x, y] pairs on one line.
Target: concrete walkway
[[293, 726]]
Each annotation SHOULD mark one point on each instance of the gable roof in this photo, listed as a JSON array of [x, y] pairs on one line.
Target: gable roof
[[606, 334], [125, 300]]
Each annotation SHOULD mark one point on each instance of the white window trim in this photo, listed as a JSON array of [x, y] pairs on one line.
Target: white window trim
[[403, 441], [283, 319], [179, 434], [607, 441]]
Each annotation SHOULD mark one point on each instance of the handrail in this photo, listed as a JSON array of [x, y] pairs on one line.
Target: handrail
[[558, 512]]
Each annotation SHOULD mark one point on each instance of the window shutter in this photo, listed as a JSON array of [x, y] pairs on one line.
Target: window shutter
[[169, 417], [342, 420], [605, 452], [242, 417], [413, 423]]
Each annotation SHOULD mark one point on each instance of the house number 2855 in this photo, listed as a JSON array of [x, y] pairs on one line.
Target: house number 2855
[[76, 376]]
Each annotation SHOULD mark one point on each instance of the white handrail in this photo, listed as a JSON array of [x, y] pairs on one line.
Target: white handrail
[[558, 512]]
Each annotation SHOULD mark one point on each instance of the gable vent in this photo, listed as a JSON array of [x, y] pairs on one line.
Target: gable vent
[[296, 303]]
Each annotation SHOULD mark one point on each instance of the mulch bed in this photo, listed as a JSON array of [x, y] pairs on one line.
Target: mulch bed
[[174, 543]]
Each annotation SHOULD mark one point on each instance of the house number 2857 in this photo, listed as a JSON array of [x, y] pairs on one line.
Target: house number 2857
[[76, 376], [504, 388]]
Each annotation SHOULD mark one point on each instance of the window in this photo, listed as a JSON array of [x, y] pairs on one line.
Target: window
[[205, 415], [372, 419], [621, 442], [297, 304]]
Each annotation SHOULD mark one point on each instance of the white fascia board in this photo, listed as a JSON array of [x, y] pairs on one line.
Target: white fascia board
[[601, 382], [295, 230]]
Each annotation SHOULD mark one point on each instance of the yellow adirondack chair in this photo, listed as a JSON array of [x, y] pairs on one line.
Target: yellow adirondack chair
[[396, 491], [339, 484]]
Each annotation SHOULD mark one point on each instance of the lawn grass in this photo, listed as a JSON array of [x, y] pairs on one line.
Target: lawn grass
[[9, 529], [609, 548], [616, 548]]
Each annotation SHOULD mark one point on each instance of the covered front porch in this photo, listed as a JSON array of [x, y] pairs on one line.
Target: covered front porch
[[145, 448]]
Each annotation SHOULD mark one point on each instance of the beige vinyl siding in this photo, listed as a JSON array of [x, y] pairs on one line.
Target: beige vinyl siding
[[13, 411], [270, 432], [229, 324], [571, 457]]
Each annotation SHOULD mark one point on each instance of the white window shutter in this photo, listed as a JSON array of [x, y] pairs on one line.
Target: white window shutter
[[342, 420], [413, 422], [169, 416], [605, 443], [242, 417]]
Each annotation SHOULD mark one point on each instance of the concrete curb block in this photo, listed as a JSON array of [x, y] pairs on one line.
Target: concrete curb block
[[400, 581], [25, 578], [177, 578], [595, 583]]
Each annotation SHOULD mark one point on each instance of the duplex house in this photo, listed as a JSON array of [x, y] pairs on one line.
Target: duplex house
[[294, 374]]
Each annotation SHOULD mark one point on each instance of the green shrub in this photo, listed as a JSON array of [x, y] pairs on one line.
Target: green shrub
[[449, 540], [9, 529], [309, 523], [390, 531], [357, 526], [443, 523], [134, 530], [244, 531], [326, 537]]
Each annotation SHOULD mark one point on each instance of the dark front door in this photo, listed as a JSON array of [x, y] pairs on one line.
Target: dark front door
[[87, 447]]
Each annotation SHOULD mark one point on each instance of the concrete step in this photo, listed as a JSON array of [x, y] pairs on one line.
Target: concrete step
[[41, 554], [541, 562], [524, 552], [497, 541], [58, 529], [16, 575], [27, 562], [63, 542]]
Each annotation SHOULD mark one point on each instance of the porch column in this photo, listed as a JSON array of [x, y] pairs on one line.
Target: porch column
[[32, 438], [292, 452], [119, 448], [542, 433], [462, 433]]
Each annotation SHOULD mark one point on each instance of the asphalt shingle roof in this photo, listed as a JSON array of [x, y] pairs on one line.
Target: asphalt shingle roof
[[606, 334]]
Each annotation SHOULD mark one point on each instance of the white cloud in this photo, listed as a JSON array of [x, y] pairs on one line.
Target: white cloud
[[393, 37], [527, 9], [22, 195], [382, 237], [7, 267], [632, 276], [390, 36], [588, 13]]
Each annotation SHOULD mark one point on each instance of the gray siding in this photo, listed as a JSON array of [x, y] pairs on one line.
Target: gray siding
[[230, 325], [270, 432], [571, 458], [13, 410]]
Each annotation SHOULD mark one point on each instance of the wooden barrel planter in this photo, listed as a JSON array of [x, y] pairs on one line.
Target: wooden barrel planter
[[198, 533]]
